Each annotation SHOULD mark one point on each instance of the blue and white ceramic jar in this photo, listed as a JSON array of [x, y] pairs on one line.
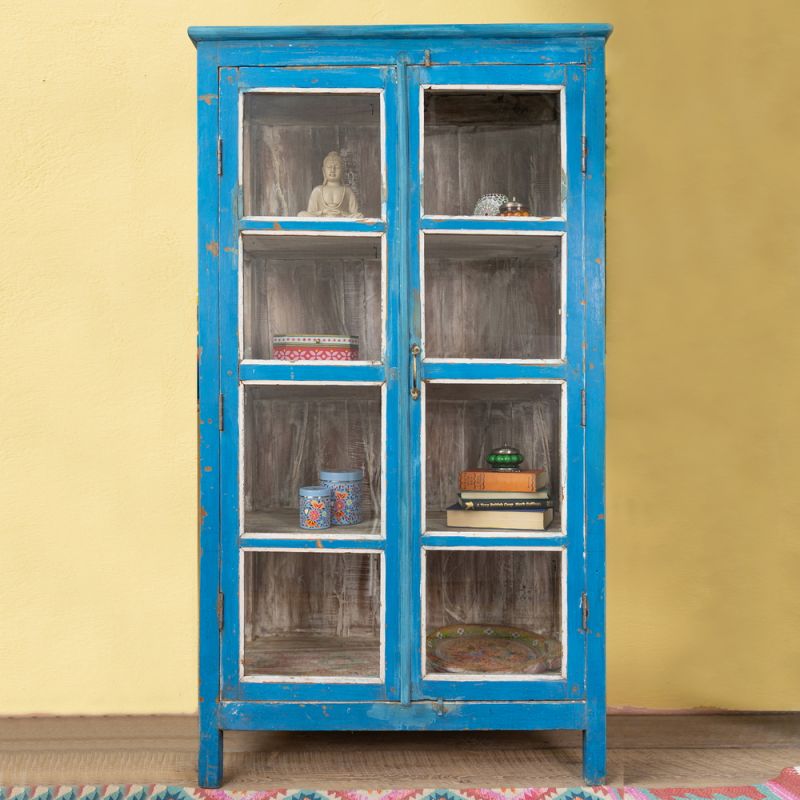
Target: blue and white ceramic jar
[[345, 486], [316, 504]]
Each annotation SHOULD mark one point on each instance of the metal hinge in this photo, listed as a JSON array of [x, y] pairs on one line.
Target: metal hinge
[[427, 61], [219, 155], [584, 613], [221, 412], [220, 610], [584, 154], [583, 408]]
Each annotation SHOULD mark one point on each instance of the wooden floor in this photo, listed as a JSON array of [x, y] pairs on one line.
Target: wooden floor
[[659, 750]]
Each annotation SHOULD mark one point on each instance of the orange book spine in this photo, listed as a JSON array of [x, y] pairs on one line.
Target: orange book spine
[[490, 481]]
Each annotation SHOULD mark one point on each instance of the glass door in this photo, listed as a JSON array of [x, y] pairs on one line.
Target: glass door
[[309, 324], [497, 442]]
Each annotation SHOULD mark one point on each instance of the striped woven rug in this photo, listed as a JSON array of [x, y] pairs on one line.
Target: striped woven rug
[[785, 787]]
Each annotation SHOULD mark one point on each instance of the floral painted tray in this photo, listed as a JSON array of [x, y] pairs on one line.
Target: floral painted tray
[[491, 649]]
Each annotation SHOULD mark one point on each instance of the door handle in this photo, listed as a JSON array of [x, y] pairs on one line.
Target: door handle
[[415, 351]]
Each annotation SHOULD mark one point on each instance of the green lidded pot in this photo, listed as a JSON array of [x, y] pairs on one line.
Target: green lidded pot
[[505, 459]]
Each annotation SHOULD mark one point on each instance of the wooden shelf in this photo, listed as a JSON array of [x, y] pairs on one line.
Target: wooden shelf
[[287, 520], [303, 654]]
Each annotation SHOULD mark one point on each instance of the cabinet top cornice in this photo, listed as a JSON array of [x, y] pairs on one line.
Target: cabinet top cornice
[[505, 31]]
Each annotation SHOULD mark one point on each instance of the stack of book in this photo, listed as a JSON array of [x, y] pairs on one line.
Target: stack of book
[[508, 500]]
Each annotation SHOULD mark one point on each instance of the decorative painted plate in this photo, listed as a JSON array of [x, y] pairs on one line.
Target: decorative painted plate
[[491, 649]]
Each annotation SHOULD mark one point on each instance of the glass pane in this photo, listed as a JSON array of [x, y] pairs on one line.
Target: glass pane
[[312, 298], [288, 138], [312, 614], [492, 296], [295, 436], [486, 143], [493, 612], [464, 423]]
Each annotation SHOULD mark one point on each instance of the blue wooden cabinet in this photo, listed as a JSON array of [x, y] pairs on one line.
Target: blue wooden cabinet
[[367, 305]]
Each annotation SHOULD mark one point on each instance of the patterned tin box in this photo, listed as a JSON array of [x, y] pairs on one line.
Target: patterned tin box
[[316, 504], [345, 486], [313, 347]]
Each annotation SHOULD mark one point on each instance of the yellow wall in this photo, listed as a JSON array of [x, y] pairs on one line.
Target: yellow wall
[[97, 315]]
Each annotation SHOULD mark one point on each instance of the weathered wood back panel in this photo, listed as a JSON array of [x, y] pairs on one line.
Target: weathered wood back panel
[[286, 137], [490, 143], [331, 296], [497, 588], [466, 422], [292, 432], [325, 594], [492, 296]]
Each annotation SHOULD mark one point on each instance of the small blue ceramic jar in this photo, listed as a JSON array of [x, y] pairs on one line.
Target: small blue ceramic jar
[[345, 486], [315, 507]]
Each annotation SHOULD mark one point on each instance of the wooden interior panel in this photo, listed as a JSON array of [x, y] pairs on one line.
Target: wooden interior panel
[[293, 432], [312, 285], [312, 613], [465, 422], [492, 296], [286, 137], [518, 588], [487, 142]]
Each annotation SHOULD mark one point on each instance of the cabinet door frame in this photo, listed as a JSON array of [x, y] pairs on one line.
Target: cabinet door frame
[[567, 371], [235, 373]]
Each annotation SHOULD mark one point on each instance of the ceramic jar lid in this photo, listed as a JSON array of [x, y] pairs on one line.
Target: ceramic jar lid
[[341, 474], [315, 491]]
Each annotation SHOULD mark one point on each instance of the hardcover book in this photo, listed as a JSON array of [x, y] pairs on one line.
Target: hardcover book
[[498, 504], [541, 494], [526, 480], [538, 520]]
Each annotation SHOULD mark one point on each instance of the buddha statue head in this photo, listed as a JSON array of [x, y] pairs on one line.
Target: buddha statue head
[[332, 168]]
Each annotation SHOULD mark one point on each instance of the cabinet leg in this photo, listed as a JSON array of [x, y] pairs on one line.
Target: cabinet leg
[[209, 758], [594, 754]]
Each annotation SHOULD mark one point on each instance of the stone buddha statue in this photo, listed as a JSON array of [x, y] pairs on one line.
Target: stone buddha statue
[[332, 198]]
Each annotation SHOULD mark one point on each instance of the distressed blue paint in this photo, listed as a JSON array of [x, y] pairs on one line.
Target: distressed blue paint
[[416, 465], [594, 244], [282, 371], [312, 692], [569, 371], [317, 542], [370, 52], [397, 60], [394, 360], [312, 225], [319, 78], [210, 733], [229, 384], [573, 200], [232, 83], [498, 539], [498, 370], [404, 533], [525, 224], [396, 716], [499, 691], [201, 33], [498, 74]]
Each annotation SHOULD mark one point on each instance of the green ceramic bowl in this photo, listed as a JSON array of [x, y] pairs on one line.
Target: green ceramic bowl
[[505, 458]]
